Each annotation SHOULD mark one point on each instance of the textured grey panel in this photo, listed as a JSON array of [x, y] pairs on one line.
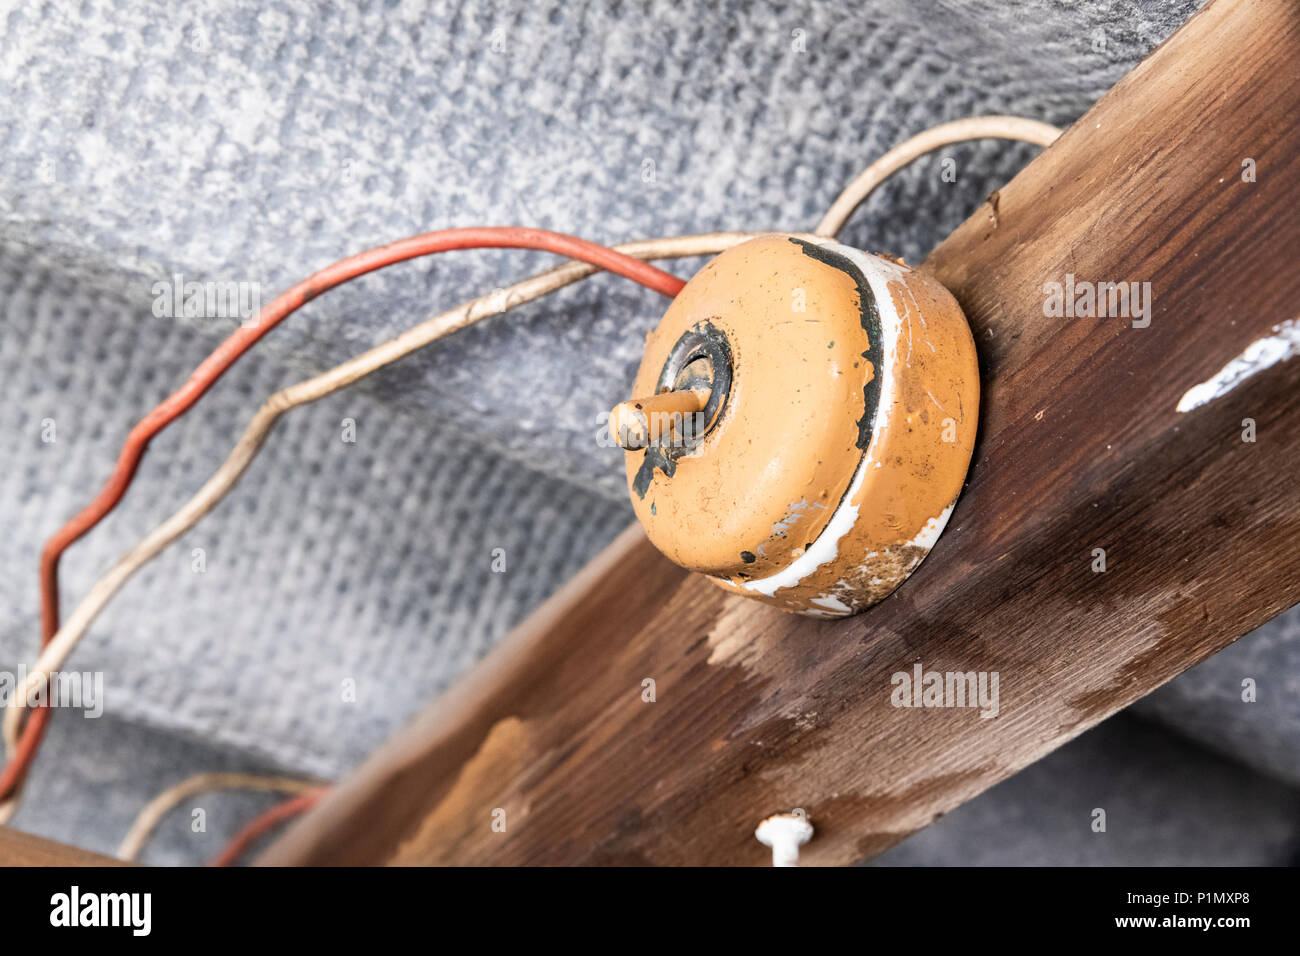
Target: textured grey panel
[[368, 561], [95, 776], [1167, 803]]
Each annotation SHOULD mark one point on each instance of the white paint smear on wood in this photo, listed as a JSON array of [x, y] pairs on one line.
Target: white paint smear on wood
[[1258, 355]]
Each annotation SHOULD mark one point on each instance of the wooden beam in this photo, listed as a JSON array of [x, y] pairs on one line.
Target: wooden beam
[[1081, 448], [24, 849]]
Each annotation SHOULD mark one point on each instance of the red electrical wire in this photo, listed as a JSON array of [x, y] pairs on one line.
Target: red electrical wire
[[226, 354], [260, 824]]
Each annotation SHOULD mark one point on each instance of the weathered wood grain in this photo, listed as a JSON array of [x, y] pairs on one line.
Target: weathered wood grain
[[1081, 447]]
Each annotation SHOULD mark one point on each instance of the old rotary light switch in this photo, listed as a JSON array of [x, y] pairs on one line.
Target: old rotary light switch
[[808, 419]]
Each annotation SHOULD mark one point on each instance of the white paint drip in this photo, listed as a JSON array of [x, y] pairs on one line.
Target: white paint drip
[[832, 603], [878, 274], [1258, 355], [927, 536]]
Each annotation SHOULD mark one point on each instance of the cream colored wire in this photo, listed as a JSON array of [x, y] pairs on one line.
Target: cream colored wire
[[937, 137], [161, 805], [255, 435]]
